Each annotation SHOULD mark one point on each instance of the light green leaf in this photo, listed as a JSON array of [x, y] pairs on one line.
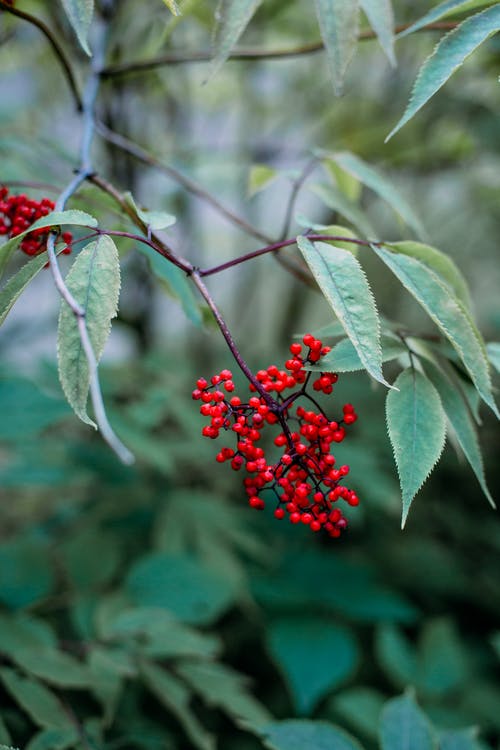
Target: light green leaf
[[339, 25], [80, 14], [176, 698], [448, 56], [260, 176], [403, 726], [300, 734], [173, 7], [344, 284], [153, 219], [54, 739], [493, 350], [341, 204], [36, 700], [417, 430], [396, 655], [311, 674], [232, 16], [381, 17], [439, 262], [460, 739], [447, 8], [226, 689], [448, 314], [344, 357], [380, 185], [10, 293], [94, 281], [349, 186], [461, 421]]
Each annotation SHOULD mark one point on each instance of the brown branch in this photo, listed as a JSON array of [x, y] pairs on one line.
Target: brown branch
[[54, 42], [248, 53]]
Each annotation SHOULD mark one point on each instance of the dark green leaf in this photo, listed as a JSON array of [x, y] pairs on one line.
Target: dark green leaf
[[396, 655], [344, 284], [26, 410], [94, 281], [442, 662], [361, 707], [338, 23], [448, 314], [90, 558], [52, 666], [312, 673], [36, 700], [80, 14], [307, 735], [449, 55], [233, 17], [26, 573], [54, 739], [403, 726], [417, 430], [381, 17]]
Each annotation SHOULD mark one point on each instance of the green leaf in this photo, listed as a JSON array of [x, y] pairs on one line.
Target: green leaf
[[300, 734], [260, 177], [312, 673], [396, 655], [90, 558], [176, 698], [344, 284], [52, 666], [26, 573], [152, 219], [232, 16], [339, 25], [36, 700], [173, 7], [4, 735], [448, 314], [493, 350], [195, 594], [403, 726], [448, 56], [462, 423], [94, 281], [381, 17], [460, 739], [54, 739], [80, 14], [12, 290], [344, 357], [341, 204], [361, 707], [381, 186], [40, 410], [417, 430], [436, 14], [438, 262], [18, 632], [106, 681], [442, 665], [223, 688]]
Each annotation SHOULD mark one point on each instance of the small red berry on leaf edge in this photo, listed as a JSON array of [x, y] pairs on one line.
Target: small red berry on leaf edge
[[303, 483]]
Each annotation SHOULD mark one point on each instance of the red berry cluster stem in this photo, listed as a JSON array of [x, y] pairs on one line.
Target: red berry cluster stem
[[18, 213], [304, 482]]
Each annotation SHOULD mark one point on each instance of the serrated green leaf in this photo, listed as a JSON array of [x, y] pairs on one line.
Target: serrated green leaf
[[54, 739], [36, 700], [448, 56], [448, 314], [396, 655], [80, 14], [493, 351], [176, 698], [417, 430], [259, 177], [380, 185], [403, 726], [439, 262], [301, 734], [461, 421], [381, 17], [440, 11], [232, 16], [173, 7], [339, 25], [341, 204], [311, 674], [226, 689], [94, 281], [344, 358], [345, 286]]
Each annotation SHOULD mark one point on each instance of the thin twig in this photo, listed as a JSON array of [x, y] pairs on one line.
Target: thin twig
[[54, 42], [249, 53]]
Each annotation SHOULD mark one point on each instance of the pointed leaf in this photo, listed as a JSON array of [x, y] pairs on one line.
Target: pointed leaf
[[404, 726], [54, 739], [152, 219], [448, 314], [396, 655], [297, 734], [16, 285], [340, 203], [259, 178], [53, 666], [344, 358], [448, 56], [312, 674], [232, 16], [36, 700], [380, 185], [416, 425], [493, 350], [344, 284], [381, 17], [339, 25], [94, 281], [461, 421], [436, 14], [80, 14]]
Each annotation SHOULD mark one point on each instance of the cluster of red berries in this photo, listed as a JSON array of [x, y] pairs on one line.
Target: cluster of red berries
[[304, 482], [18, 213]]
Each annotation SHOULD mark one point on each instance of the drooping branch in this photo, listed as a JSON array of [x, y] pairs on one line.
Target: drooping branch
[[56, 47]]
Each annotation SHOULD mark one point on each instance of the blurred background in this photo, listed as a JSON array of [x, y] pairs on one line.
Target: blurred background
[[324, 629]]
